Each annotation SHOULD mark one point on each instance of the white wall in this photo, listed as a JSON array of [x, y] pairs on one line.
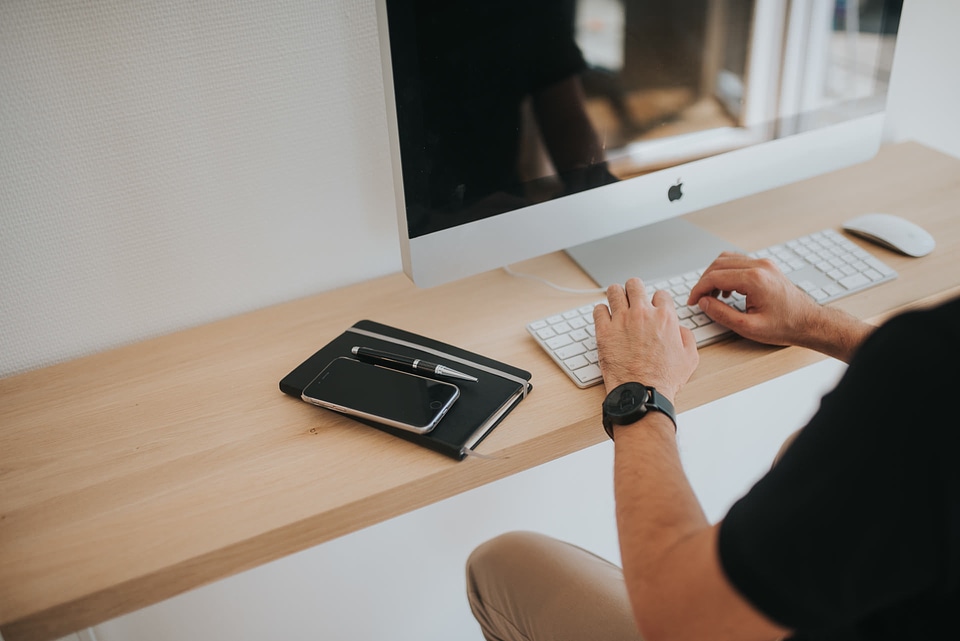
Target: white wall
[[924, 102], [169, 163], [163, 164]]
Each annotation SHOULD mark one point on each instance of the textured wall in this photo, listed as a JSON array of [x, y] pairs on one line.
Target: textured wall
[[163, 164]]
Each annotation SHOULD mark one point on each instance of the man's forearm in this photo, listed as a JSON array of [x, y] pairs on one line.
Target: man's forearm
[[835, 333], [656, 510], [677, 587]]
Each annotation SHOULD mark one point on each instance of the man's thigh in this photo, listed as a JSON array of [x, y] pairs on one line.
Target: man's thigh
[[527, 586]]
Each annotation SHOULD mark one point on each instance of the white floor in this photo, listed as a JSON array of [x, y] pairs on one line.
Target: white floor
[[403, 579]]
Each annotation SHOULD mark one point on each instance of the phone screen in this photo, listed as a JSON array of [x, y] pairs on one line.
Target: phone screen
[[384, 395]]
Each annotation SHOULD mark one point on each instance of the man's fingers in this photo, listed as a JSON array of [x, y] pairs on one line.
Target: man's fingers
[[718, 281], [688, 339], [636, 292], [731, 272], [661, 299], [616, 298], [601, 315], [633, 294], [723, 313]]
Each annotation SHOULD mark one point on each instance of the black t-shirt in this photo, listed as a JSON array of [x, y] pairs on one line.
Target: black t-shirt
[[855, 533]]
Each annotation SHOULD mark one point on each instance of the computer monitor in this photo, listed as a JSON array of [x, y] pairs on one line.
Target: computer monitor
[[520, 127]]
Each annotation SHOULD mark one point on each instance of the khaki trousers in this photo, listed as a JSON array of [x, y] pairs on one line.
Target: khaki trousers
[[524, 586]]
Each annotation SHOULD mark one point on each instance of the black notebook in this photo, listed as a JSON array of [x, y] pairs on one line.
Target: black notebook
[[480, 407]]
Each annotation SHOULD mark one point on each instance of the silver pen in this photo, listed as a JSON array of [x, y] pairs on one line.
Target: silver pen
[[408, 364]]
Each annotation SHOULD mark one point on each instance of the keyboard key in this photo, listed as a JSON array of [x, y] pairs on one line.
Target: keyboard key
[[546, 333], [567, 351], [589, 375], [701, 320], [557, 342], [855, 281], [561, 327], [706, 332]]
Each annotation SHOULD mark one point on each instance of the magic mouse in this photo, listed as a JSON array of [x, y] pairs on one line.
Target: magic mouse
[[893, 233]]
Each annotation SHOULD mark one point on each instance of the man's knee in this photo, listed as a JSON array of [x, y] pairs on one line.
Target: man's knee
[[525, 585], [495, 589], [494, 560], [503, 546]]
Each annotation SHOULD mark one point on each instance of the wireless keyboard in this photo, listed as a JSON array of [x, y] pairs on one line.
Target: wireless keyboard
[[824, 264]]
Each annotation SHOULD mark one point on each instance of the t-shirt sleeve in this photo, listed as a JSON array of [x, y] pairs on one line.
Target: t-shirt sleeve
[[851, 518]]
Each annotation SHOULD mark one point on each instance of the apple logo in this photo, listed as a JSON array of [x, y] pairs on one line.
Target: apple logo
[[675, 192]]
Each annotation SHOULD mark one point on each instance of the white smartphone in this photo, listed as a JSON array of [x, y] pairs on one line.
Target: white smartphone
[[376, 393]]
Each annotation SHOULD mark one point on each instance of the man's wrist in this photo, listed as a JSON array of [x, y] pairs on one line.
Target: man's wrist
[[631, 402], [835, 333], [666, 391], [652, 422]]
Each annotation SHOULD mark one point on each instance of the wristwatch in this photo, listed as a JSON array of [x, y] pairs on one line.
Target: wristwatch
[[628, 403]]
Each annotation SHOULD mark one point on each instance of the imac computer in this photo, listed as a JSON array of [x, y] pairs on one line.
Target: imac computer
[[521, 127]]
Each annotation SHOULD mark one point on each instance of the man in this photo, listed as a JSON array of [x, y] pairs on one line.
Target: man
[[854, 533]]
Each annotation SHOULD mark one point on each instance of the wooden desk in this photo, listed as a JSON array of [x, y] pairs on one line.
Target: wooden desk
[[133, 475]]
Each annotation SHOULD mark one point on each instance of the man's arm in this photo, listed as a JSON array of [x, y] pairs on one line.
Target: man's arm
[[778, 312], [669, 551]]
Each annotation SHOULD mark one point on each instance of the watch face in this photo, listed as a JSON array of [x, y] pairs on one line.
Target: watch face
[[626, 399], [628, 403]]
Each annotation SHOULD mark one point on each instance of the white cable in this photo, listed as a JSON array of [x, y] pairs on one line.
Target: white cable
[[568, 290]]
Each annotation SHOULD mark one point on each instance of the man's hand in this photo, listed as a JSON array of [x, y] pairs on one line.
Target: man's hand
[[640, 340], [777, 311]]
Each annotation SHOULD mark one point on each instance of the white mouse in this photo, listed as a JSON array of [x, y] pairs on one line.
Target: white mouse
[[893, 233]]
